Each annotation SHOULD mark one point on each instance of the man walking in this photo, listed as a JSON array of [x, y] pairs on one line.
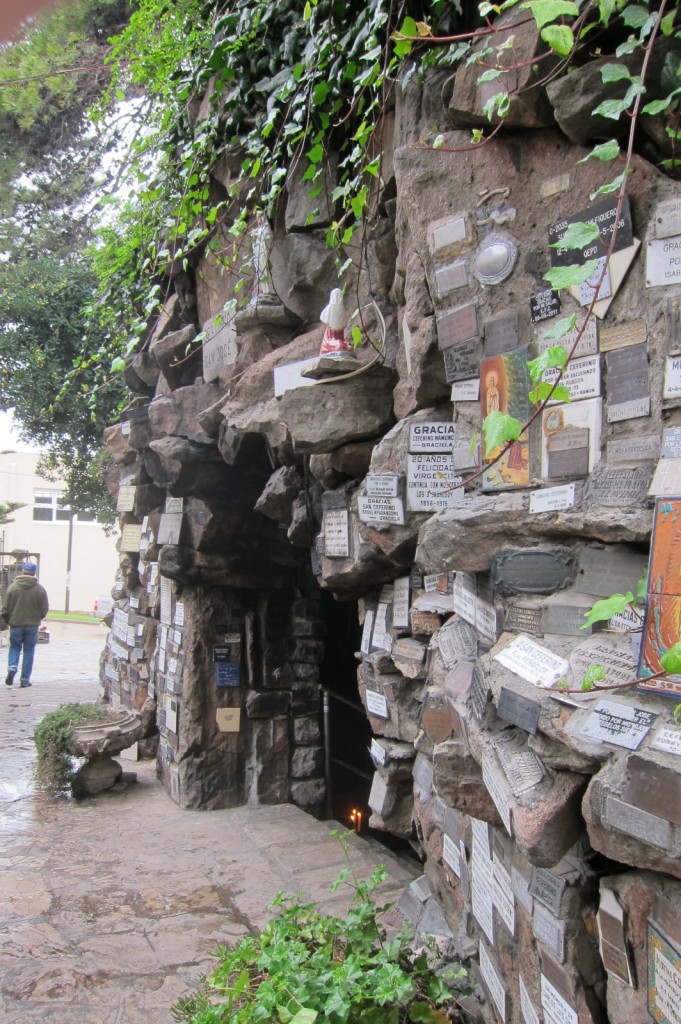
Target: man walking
[[24, 607]]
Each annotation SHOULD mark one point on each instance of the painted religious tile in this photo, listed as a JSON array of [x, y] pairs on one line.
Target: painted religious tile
[[662, 626], [664, 979], [504, 387], [571, 439]]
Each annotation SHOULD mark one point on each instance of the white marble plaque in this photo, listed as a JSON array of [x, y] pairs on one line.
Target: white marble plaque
[[503, 895], [432, 483], [668, 739], [587, 345], [668, 218], [336, 533], [582, 378], [482, 889], [549, 930], [367, 630], [166, 601], [430, 436], [380, 638], [634, 821], [451, 276], [553, 499], [448, 233], [171, 714], [381, 510], [619, 724], [126, 498], [663, 262], [382, 485], [450, 854], [527, 1010], [378, 752], [486, 619], [556, 1008], [179, 617], [401, 603], [672, 378], [219, 348], [466, 390], [377, 704], [532, 662], [667, 478], [126, 427], [464, 596], [521, 890], [585, 292], [498, 788], [174, 506], [290, 377], [495, 985], [131, 535], [118, 650]]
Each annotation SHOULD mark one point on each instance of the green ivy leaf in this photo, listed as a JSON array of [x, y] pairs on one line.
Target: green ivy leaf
[[577, 236], [667, 23], [543, 390], [356, 336], [604, 610], [118, 364], [560, 329], [545, 11], [615, 73], [671, 660], [612, 186], [304, 1016], [498, 428], [569, 277], [554, 356], [594, 674], [490, 75], [656, 106], [635, 16], [560, 38], [612, 109], [606, 151], [676, 714], [642, 587]]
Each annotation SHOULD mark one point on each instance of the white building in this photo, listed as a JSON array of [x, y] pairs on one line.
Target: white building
[[43, 528]]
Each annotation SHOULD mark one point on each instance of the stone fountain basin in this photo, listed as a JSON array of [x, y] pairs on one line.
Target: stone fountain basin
[[108, 736]]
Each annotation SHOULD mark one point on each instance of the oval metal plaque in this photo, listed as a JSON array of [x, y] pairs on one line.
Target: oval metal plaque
[[495, 259]]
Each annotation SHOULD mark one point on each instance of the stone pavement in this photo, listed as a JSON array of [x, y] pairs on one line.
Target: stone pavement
[[113, 907]]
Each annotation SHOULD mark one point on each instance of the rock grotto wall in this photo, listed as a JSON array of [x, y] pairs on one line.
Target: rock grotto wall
[[549, 821]]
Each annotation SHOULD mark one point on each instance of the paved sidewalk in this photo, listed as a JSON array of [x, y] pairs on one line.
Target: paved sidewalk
[[112, 908]]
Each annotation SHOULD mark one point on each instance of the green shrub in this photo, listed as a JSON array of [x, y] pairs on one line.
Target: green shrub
[[52, 737], [306, 966]]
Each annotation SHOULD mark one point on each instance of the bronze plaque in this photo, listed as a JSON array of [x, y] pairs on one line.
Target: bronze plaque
[[436, 718], [611, 570], [501, 334], [633, 332], [457, 325], [523, 620], [532, 570], [653, 787]]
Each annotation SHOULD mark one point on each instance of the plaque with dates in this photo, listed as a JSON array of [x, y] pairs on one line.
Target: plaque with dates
[[523, 620], [548, 889], [462, 362], [671, 443], [586, 346], [544, 305], [631, 332], [457, 325], [664, 971], [663, 262], [521, 766], [619, 724], [618, 487], [479, 694], [604, 215]]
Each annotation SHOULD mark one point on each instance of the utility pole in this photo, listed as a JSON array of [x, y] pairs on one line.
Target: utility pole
[[69, 553]]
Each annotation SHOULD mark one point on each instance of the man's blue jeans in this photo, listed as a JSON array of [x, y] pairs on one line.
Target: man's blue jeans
[[26, 637]]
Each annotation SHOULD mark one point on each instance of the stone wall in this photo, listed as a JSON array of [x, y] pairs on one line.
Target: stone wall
[[549, 820]]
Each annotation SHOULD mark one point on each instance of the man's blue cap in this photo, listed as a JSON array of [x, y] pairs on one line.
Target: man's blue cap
[[29, 567]]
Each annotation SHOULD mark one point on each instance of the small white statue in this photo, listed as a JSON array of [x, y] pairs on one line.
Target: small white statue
[[334, 336], [263, 292]]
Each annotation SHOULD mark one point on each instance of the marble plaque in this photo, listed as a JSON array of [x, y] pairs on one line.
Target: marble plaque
[[219, 348], [131, 535], [523, 620], [377, 705], [532, 662], [518, 710], [582, 377], [632, 332], [457, 325], [653, 787], [664, 979], [544, 305], [428, 436], [382, 485], [482, 889], [462, 362], [668, 218], [527, 1010], [622, 487], [611, 937], [290, 376], [432, 483], [638, 449], [228, 719], [451, 855], [532, 571], [170, 528], [619, 724], [628, 388], [466, 390], [336, 533], [586, 346], [401, 603], [552, 499], [604, 215], [663, 262], [498, 788], [367, 630], [649, 828], [449, 234], [493, 982], [567, 617], [381, 510], [672, 378], [378, 752], [568, 453], [556, 1009], [521, 766], [548, 889], [550, 931], [126, 427], [666, 480], [501, 334], [614, 569], [503, 898], [668, 739], [451, 276], [671, 443], [126, 498]]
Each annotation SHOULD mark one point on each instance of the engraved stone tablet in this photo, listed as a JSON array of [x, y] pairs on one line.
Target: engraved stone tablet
[[532, 570], [619, 724], [126, 498], [628, 387], [518, 710], [495, 259], [430, 436], [552, 499], [632, 332], [401, 603], [604, 215], [367, 630], [671, 443], [667, 478], [377, 704], [672, 378], [555, 185], [451, 855], [449, 234], [219, 348], [378, 752], [382, 485], [492, 979], [462, 361], [667, 738], [466, 391], [615, 569], [586, 346], [547, 888], [637, 449], [637, 823], [520, 619], [664, 974], [532, 662], [457, 325], [568, 453], [549, 930], [381, 510], [521, 766], [170, 528], [544, 305], [336, 533], [653, 787], [503, 899], [501, 334], [528, 1012], [432, 483], [663, 262], [617, 488], [451, 276], [668, 218]]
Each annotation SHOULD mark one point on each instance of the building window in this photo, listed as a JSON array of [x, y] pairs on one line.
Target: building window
[[47, 507]]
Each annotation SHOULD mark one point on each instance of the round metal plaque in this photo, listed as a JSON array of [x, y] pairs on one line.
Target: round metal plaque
[[495, 259]]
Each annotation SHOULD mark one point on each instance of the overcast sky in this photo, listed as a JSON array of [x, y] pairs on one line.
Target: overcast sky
[[9, 441]]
